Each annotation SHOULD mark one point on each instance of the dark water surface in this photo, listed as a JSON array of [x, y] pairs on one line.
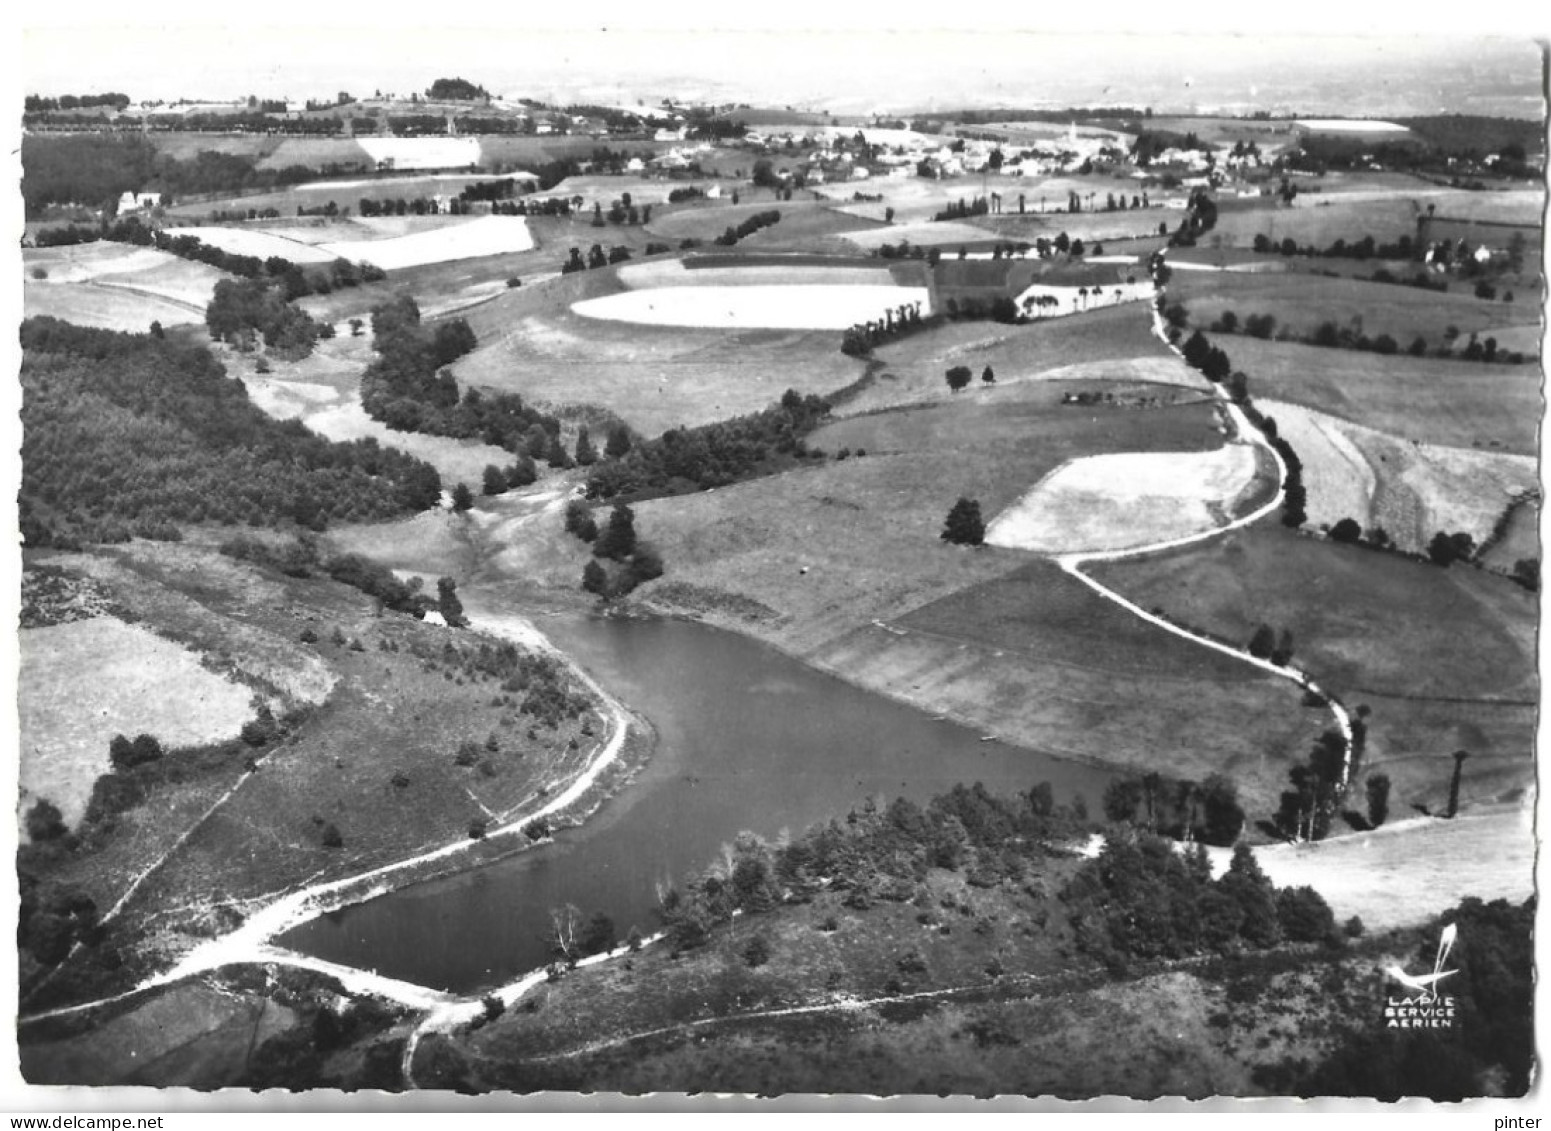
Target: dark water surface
[[746, 739]]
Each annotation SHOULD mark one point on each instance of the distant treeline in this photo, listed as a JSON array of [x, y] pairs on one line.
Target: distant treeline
[[96, 169], [37, 104], [130, 434]]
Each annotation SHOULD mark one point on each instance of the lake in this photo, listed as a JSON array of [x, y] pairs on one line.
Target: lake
[[747, 739]]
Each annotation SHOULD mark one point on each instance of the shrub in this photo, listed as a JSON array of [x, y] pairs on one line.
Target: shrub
[[332, 837], [756, 952]]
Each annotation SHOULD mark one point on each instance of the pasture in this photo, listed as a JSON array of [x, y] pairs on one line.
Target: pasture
[[1458, 404], [1410, 490], [116, 286], [108, 308], [1363, 621], [1445, 659], [1114, 342], [1301, 303], [841, 554], [1122, 500], [805, 224], [83, 682], [653, 377]]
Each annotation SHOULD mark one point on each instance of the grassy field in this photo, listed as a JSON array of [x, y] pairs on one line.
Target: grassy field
[[836, 555], [1362, 619], [110, 308], [373, 756], [190, 1035], [1113, 343], [1458, 404], [653, 377], [1126, 499], [1301, 303], [1520, 540], [1316, 219], [1428, 648], [84, 682]]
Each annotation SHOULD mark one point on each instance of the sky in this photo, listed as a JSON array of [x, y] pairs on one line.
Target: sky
[[816, 59]]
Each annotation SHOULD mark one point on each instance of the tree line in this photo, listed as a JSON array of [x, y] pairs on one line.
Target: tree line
[[683, 460], [129, 434]]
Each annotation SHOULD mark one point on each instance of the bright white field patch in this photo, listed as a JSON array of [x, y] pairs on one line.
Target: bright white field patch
[[1113, 502], [244, 241], [422, 152], [487, 235], [1352, 125], [804, 307], [84, 682], [673, 273], [928, 233]]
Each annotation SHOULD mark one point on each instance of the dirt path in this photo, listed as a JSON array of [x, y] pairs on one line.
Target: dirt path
[[1073, 563]]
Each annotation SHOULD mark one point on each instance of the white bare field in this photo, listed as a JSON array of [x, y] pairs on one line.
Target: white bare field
[[1353, 125], [486, 235], [759, 307], [422, 152], [245, 241], [1112, 502], [673, 273]]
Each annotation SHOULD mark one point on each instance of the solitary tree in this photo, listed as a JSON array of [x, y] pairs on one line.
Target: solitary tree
[[618, 442], [447, 602], [964, 526], [494, 480], [1378, 799], [987, 376], [45, 822], [1347, 530], [1459, 770], [617, 540], [462, 498], [958, 377], [1262, 642]]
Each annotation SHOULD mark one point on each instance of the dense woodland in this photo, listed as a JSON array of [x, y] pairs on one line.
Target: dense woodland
[[683, 460], [407, 388], [130, 434], [96, 169]]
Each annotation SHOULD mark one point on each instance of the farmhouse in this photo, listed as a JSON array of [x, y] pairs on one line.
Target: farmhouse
[[138, 202]]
